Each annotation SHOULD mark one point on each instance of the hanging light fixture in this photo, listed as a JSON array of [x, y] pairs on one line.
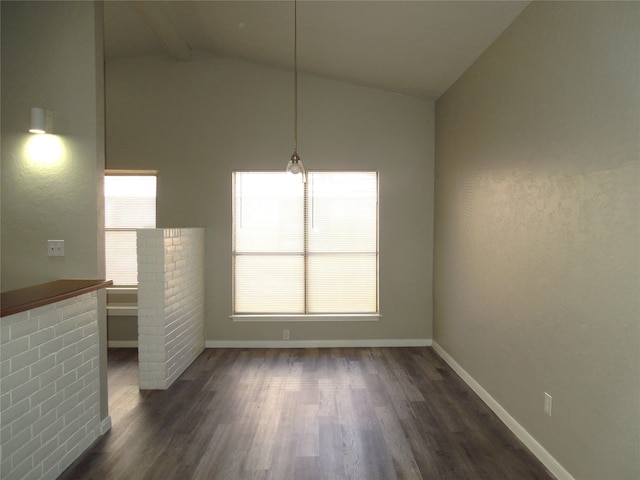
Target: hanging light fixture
[[295, 165]]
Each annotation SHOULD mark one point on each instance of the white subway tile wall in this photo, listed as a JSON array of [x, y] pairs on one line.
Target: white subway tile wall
[[170, 303], [49, 387]]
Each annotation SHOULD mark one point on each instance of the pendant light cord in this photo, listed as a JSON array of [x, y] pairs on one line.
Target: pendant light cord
[[295, 77]]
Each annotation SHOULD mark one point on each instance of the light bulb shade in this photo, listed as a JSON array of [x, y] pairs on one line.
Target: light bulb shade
[[295, 166], [41, 121]]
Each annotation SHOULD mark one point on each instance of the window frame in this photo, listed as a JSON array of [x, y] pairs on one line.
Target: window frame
[[306, 316], [128, 173]]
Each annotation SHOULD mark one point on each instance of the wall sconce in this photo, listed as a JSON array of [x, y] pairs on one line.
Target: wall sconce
[[41, 120]]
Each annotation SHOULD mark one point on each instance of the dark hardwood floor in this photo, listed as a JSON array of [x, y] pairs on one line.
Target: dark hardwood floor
[[338, 413]]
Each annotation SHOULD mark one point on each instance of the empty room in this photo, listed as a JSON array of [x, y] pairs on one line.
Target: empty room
[[320, 240]]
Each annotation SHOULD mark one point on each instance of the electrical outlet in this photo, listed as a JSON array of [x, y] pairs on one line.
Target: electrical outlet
[[55, 248], [547, 403], [285, 334]]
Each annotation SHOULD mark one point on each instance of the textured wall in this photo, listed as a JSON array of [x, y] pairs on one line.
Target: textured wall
[[51, 58], [170, 303], [50, 387], [214, 115], [537, 234]]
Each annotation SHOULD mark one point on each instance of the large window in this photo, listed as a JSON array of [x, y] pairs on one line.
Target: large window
[[305, 248], [130, 203]]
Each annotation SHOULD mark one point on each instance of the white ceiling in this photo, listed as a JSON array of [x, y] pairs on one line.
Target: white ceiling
[[417, 48]]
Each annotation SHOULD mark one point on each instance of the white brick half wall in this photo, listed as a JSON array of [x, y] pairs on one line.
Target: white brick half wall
[[170, 303], [49, 387]]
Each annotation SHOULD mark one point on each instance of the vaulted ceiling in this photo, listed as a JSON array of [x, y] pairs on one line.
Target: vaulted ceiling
[[417, 48]]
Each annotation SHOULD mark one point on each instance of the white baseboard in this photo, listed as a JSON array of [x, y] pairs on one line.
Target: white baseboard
[[525, 437], [421, 342], [105, 426], [122, 344]]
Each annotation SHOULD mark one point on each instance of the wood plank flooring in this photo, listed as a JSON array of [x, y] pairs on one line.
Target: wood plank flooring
[[348, 413]]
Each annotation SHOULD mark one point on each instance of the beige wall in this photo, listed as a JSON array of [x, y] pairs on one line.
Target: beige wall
[[537, 253], [197, 121], [52, 58]]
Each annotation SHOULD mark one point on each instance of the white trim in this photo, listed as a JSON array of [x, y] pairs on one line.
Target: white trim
[[122, 310], [411, 342], [124, 290], [105, 425], [137, 173], [340, 317], [525, 437], [122, 344]]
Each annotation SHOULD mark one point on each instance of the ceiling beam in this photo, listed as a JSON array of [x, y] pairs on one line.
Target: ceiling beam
[[172, 40]]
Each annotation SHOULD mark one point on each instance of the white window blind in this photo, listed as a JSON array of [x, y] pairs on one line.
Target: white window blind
[[130, 203], [305, 248]]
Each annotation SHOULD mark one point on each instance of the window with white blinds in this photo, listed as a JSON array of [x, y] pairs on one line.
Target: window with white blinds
[[130, 203], [305, 249]]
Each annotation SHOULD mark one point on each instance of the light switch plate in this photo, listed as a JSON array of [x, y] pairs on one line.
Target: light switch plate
[[55, 248]]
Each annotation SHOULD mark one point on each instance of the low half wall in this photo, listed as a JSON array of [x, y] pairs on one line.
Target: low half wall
[[49, 377], [170, 303]]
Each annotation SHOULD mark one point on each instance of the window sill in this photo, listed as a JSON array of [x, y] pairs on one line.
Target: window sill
[[122, 301], [122, 310], [358, 317], [127, 289]]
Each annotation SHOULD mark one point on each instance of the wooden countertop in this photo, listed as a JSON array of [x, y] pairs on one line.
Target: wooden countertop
[[23, 299]]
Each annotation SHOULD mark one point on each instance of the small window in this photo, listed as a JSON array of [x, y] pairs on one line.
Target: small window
[[130, 203], [305, 248]]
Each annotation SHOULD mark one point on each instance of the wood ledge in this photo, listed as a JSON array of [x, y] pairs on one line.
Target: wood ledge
[[23, 299]]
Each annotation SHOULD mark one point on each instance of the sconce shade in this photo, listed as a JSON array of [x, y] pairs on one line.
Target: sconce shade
[[41, 121]]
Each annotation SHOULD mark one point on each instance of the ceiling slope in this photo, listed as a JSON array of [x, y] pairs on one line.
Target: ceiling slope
[[416, 48]]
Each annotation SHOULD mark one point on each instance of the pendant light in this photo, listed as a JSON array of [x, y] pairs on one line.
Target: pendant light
[[295, 165]]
